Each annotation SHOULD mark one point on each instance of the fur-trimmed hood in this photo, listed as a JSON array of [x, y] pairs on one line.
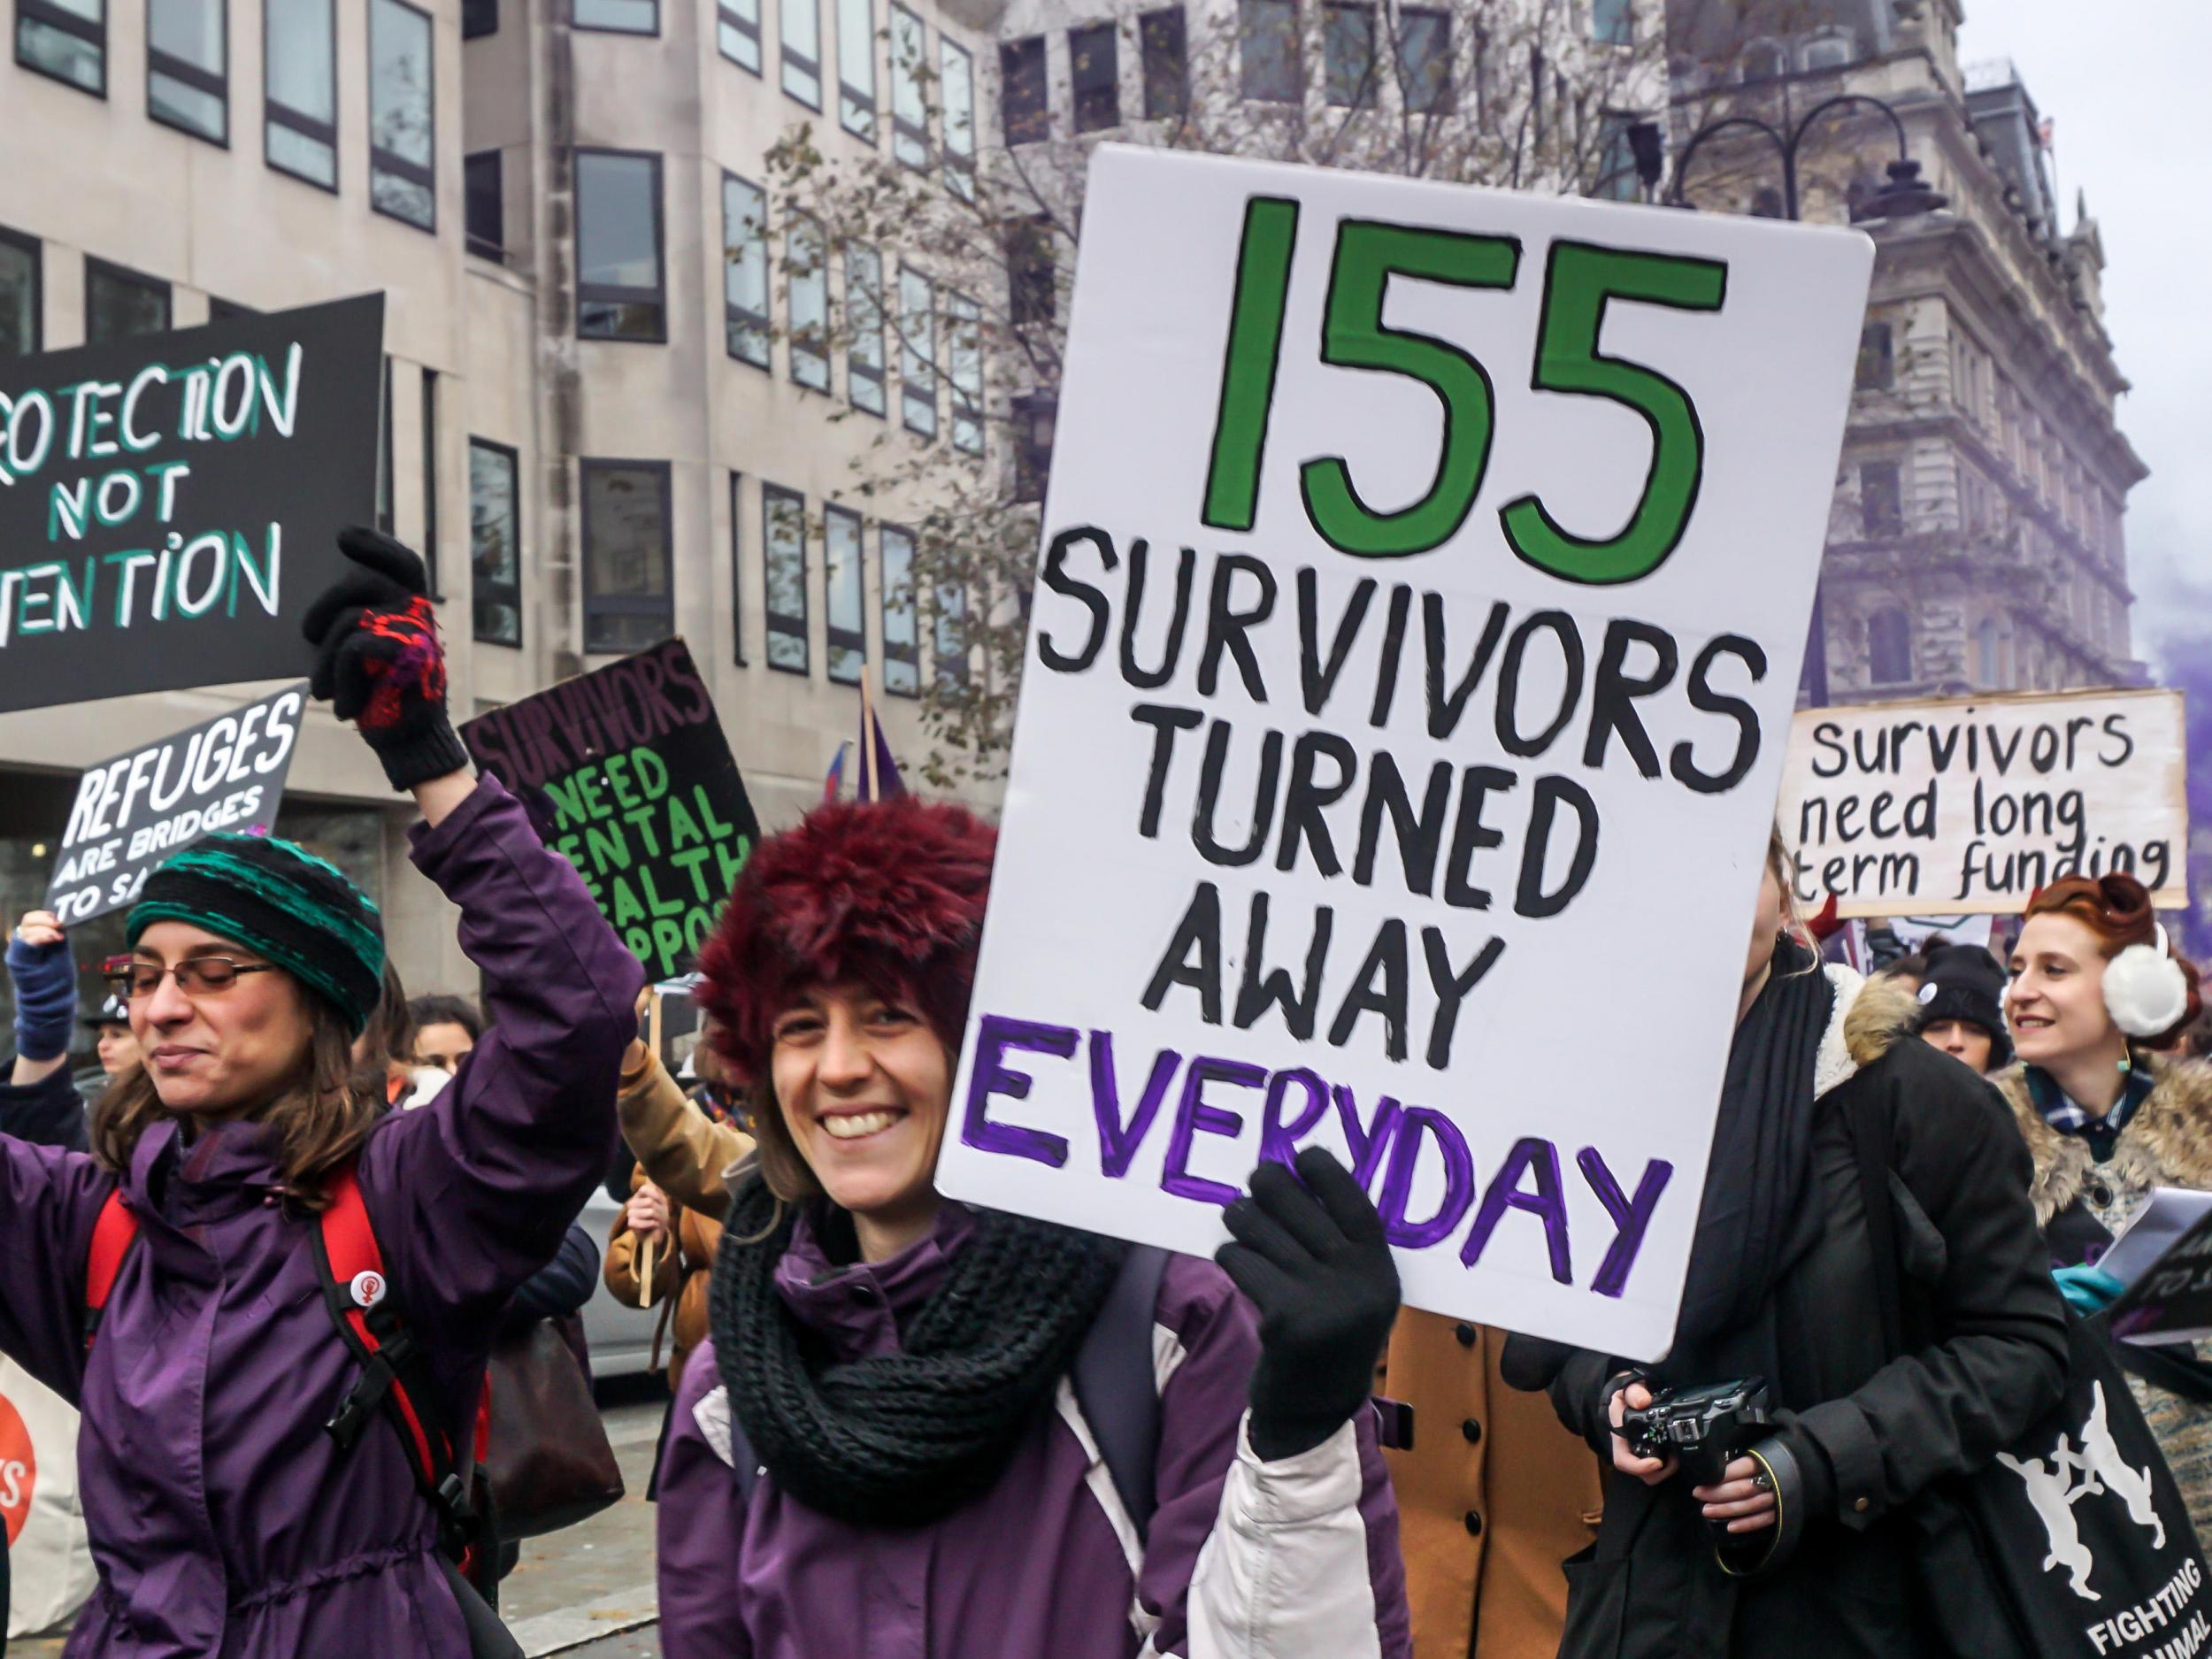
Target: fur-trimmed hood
[[2168, 1142], [1870, 1017]]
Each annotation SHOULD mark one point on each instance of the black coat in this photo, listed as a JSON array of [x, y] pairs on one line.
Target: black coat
[[47, 1113], [1869, 1437]]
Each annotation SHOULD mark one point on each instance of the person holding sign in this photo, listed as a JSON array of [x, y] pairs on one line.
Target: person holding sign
[[230, 1511], [920, 1427], [2096, 989], [1800, 1546], [38, 1101]]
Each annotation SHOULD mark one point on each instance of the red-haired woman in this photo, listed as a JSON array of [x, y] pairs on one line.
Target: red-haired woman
[[895, 1441], [2096, 989]]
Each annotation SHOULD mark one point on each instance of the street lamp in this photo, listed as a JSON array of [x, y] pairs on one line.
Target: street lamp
[[1905, 194]]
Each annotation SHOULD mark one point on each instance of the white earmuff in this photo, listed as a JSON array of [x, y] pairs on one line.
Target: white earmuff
[[2145, 989]]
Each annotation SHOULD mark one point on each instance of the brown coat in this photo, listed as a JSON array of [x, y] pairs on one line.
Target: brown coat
[[686, 1272], [1484, 1451], [683, 1151]]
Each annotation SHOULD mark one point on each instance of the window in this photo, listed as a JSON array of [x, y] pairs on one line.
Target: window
[[1613, 22], [737, 571], [1033, 419], [956, 85], [950, 646], [1763, 60], [902, 649], [481, 205], [841, 579], [917, 355], [856, 67], [479, 18], [1617, 180], [495, 542], [187, 66], [800, 22], [910, 109], [745, 270], [1878, 363], [1830, 49], [617, 17], [1167, 63], [1096, 67], [807, 261], [1347, 56], [1022, 90], [1986, 665], [963, 354], [300, 90], [1032, 279], [737, 32], [628, 605], [783, 521], [1267, 32], [1881, 502], [401, 139], [430, 480], [619, 294], [384, 450], [1424, 59], [863, 327], [1889, 647], [66, 39], [121, 304], [20, 331]]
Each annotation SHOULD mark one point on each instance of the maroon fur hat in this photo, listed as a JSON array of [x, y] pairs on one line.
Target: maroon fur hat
[[890, 893]]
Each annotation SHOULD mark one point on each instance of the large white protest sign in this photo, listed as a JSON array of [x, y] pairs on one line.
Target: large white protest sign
[[132, 812], [1405, 701], [1967, 805]]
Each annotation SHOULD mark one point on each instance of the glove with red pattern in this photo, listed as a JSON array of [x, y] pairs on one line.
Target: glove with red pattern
[[378, 660]]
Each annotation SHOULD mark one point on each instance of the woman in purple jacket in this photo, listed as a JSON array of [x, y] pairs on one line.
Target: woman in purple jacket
[[889, 1447], [223, 1519]]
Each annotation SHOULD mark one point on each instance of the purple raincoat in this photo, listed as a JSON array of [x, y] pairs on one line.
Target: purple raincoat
[[1296, 1559], [224, 1520]]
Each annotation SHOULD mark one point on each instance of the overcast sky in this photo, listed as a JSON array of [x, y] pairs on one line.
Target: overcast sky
[[2125, 82]]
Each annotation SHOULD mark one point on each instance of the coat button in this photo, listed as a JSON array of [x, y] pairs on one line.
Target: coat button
[[1861, 1506], [1473, 1430], [1474, 1525], [1465, 1333]]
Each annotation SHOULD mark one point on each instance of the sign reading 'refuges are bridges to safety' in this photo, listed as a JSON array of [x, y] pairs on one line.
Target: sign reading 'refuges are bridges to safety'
[[1423, 584]]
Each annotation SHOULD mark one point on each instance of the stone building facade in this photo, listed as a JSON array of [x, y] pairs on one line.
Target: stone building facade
[[1978, 541]]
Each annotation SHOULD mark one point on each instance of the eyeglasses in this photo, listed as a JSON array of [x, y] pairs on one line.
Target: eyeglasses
[[193, 975]]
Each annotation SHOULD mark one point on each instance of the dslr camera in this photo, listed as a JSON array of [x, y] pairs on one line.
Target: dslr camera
[[1707, 1428]]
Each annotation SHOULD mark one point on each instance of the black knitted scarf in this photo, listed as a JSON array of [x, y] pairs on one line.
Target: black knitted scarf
[[903, 1439]]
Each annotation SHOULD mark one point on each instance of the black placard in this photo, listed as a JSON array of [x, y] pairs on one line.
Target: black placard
[[169, 505], [131, 812], [627, 775]]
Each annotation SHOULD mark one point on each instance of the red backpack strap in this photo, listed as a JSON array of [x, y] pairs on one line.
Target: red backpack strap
[[113, 1235], [395, 1369]]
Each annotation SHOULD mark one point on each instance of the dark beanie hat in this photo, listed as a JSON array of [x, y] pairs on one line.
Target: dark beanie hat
[[279, 901], [1965, 982]]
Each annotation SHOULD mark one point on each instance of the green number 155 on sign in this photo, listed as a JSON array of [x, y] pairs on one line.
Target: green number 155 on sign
[[1580, 281]]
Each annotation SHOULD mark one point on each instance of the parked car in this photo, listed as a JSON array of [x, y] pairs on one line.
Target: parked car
[[621, 1336]]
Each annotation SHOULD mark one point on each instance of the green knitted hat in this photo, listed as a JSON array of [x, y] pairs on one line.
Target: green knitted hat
[[279, 901]]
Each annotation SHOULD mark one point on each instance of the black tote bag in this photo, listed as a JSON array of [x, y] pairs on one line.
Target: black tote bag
[[2075, 1543]]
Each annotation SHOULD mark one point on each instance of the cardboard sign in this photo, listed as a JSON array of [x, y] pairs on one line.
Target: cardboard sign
[[1397, 683], [1968, 805], [627, 775], [169, 506], [132, 812]]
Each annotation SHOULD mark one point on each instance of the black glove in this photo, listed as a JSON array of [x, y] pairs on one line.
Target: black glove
[[377, 661], [1314, 1261]]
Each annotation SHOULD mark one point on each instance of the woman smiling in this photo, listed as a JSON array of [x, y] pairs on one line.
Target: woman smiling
[[926, 1429], [2095, 989]]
